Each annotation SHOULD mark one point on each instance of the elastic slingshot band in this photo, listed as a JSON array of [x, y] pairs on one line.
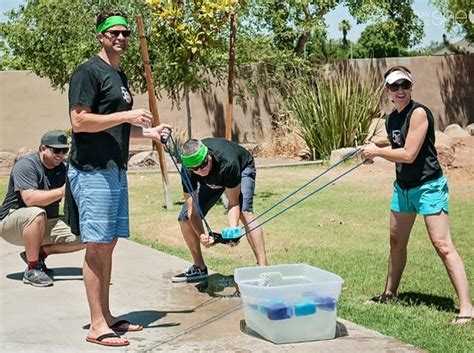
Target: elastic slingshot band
[[234, 233], [112, 21]]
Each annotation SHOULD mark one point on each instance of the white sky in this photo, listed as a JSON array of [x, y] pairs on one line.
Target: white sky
[[432, 18]]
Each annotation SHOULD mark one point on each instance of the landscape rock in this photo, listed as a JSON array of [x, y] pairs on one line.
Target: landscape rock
[[455, 130], [470, 129], [7, 159], [444, 145], [144, 159]]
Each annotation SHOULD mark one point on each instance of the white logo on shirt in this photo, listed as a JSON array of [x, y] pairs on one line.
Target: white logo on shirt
[[396, 137], [126, 95]]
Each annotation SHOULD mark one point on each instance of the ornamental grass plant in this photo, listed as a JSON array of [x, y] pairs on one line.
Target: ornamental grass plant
[[334, 108]]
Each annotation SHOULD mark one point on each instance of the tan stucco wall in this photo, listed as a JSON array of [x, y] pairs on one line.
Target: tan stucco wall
[[443, 83], [29, 107]]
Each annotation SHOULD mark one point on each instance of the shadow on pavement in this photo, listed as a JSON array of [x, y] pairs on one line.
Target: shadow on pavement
[[60, 274], [341, 330], [218, 285], [146, 318]]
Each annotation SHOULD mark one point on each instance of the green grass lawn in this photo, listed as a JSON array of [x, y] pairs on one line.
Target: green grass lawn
[[342, 229]]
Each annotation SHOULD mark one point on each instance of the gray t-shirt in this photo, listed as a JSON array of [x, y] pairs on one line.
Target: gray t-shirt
[[29, 173]]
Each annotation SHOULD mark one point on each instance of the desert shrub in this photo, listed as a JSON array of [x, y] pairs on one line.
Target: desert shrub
[[333, 109]]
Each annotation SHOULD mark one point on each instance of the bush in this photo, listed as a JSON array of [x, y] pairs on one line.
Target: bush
[[333, 109]]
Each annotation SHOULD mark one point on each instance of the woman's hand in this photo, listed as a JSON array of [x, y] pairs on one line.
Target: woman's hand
[[369, 151]]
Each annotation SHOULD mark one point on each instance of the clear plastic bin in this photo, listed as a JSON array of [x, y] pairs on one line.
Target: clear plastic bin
[[290, 303]]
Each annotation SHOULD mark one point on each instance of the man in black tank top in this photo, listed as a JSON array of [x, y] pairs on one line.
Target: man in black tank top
[[419, 188]]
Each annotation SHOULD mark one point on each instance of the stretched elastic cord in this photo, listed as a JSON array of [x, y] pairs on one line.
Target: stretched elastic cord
[[349, 155], [305, 197]]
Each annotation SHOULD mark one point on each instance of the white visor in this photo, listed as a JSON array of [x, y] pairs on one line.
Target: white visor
[[398, 75]]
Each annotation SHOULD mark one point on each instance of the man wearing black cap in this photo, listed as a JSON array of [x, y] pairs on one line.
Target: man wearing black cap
[[29, 215]]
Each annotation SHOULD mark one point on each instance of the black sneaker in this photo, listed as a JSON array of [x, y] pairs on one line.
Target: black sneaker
[[37, 277], [41, 264], [191, 274]]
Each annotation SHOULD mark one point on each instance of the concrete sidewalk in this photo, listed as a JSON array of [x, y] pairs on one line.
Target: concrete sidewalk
[[177, 317]]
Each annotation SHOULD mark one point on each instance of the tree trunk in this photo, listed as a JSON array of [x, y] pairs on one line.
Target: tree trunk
[[154, 111], [230, 78], [188, 111]]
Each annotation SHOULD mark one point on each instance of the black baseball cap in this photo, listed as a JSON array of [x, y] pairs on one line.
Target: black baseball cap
[[55, 139]]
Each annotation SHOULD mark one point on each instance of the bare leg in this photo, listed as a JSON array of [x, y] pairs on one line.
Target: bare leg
[[400, 228], [193, 242], [33, 236], [255, 238], [440, 235], [97, 264], [62, 248]]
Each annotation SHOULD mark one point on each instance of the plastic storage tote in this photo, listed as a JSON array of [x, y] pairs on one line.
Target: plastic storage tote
[[289, 303]]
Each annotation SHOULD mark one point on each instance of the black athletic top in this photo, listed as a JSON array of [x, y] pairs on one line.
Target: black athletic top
[[104, 89], [229, 159], [426, 166]]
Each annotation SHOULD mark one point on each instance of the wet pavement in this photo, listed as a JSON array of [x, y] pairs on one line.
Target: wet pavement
[[205, 316]]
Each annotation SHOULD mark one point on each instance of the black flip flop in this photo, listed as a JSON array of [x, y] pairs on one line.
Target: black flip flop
[[457, 318], [100, 340]]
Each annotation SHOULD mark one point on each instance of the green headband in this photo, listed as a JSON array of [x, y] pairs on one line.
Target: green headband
[[196, 158], [112, 21]]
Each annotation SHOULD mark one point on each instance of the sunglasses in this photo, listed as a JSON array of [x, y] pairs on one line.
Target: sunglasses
[[59, 150], [405, 84], [201, 166], [125, 33]]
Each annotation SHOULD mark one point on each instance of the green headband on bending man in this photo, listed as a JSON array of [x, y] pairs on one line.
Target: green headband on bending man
[[112, 21], [195, 159]]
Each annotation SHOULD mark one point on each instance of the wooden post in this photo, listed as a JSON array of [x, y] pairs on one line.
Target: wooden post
[[230, 78], [154, 111]]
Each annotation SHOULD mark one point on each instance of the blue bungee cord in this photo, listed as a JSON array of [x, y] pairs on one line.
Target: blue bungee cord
[[346, 157], [296, 202], [234, 233]]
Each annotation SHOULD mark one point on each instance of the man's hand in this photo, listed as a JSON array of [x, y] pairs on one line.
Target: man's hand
[[207, 240], [140, 117], [159, 133]]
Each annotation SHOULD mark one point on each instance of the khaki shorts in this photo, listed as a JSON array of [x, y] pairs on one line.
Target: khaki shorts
[[13, 225]]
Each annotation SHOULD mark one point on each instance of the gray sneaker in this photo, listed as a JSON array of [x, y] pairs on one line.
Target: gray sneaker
[[41, 264], [191, 274], [37, 277]]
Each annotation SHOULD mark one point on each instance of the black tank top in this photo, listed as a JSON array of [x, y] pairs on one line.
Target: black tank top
[[426, 166]]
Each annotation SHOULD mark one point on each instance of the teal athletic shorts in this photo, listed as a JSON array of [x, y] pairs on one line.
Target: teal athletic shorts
[[427, 199]]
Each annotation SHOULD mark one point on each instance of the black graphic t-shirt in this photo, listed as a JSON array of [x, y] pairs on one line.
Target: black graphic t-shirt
[[229, 159], [425, 167], [29, 173], [98, 86]]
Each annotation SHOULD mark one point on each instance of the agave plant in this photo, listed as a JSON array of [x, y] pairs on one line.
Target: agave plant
[[334, 109]]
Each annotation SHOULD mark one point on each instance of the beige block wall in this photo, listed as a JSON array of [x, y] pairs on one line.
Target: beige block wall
[[29, 106], [443, 83]]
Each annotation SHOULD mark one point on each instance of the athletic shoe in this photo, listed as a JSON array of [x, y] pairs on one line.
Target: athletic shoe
[[191, 274], [37, 277], [41, 264]]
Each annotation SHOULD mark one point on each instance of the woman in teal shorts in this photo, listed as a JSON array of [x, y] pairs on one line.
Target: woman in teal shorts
[[420, 188]]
